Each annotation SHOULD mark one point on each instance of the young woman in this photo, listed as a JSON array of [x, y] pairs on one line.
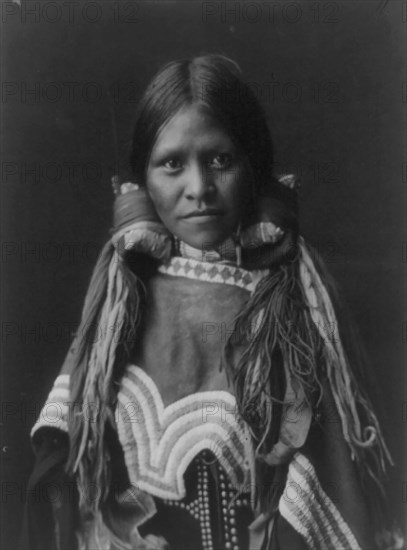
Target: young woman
[[208, 399]]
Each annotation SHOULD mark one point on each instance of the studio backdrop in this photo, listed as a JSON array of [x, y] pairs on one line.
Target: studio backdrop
[[329, 75]]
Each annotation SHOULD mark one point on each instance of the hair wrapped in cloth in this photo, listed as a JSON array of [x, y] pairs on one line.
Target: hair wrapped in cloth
[[293, 359], [110, 318]]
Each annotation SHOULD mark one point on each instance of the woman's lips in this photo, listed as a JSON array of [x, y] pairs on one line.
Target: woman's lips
[[203, 218], [206, 216], [204, 212]]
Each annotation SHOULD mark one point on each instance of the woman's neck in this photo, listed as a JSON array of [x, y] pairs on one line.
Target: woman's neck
[[225, 252]]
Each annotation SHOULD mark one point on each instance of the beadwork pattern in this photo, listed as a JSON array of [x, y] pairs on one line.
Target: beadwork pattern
[[226, 533], [213, 272], [160, 442]]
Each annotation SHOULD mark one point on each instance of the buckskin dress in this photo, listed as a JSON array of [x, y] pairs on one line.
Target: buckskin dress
[[180, 439]]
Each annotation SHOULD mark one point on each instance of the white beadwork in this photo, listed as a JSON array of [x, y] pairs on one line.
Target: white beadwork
[[160, 442]]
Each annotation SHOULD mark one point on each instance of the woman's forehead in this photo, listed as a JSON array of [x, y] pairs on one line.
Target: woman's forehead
[[191, 127]]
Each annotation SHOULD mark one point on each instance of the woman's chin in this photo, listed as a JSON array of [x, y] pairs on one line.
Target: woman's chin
[[204, 240]]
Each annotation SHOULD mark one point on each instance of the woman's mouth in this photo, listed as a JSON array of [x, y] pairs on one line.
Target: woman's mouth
[[203, 216], [201, 220]]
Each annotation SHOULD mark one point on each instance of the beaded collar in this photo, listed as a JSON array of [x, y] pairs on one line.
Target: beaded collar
[[219, 264], [224, 253]]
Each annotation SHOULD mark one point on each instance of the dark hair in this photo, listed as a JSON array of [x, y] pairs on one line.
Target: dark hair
[[213, 82], [289, 342]]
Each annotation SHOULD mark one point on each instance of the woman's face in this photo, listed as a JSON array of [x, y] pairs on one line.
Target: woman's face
[[197, 179]]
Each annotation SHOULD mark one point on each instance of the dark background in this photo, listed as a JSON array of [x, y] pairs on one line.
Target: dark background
[[330, 76]]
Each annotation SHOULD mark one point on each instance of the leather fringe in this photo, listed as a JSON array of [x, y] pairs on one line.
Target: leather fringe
[[110, 319]]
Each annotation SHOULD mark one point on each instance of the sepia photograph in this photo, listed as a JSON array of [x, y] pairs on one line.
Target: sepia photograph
[[203, 275]]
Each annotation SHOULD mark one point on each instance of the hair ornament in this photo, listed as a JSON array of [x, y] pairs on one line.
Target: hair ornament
[[136, 225]]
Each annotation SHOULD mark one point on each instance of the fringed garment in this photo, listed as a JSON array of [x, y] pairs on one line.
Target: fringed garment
[[184, 462]]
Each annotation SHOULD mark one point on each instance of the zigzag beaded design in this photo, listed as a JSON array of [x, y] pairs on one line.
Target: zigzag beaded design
[[213, 272], [160, 442]]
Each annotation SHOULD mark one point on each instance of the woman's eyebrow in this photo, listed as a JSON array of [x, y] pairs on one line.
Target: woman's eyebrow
[[167, 151], [217, 147]]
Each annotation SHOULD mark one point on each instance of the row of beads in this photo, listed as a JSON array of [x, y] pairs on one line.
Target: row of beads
[[228, 512], [199, 508], [206, 533]]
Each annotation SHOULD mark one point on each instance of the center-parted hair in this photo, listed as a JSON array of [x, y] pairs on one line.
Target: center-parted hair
[[289, 306], [214, 83]]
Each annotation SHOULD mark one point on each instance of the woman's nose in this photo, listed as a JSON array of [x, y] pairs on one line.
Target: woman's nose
[[199, 183]]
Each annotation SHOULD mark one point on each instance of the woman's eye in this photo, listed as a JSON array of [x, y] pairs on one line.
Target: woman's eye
[[221, 161], [172, 164]]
